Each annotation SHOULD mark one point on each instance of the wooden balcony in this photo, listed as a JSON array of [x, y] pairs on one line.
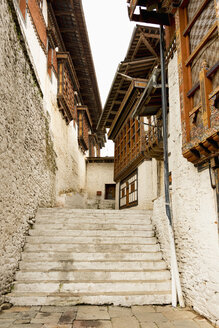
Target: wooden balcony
[[129, 149], [154, 140], [84, 127], [67, 83]]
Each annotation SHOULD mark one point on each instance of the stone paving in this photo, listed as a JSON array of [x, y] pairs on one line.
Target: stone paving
[[101, 317]]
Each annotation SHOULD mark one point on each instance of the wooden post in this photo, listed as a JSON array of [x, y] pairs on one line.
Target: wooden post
[[205, 88]]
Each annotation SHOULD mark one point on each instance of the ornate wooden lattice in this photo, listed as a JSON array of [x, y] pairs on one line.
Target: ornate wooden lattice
[[129, 148], [198, 49]]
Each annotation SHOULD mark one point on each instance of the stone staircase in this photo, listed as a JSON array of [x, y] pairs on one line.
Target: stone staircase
[[75, 256]]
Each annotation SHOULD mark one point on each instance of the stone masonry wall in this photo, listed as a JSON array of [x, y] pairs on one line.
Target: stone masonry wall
[[27, 158], [194, 217]]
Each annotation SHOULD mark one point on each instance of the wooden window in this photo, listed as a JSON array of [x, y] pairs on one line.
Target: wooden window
[[128, 195], [198, 47]]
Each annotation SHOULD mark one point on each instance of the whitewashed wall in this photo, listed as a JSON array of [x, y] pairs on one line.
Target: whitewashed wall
[[70, 160], [194, 216]]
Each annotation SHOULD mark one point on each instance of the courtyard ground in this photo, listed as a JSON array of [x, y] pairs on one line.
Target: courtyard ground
[[101, 317]]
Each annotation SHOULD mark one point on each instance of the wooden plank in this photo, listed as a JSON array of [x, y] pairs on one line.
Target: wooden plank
[[206, 88], [121, 107], [148, 46], [195, 109], [192, 91], [201, 44], [195, 17], [185, 72], [133, 4]]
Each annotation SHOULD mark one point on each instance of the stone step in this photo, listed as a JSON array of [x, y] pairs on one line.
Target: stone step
[[93, 287], [97, 265], [93, 226], [67, 299], [75, 256], [57, 256], [93, 220], [57, 210], [89, 275], [73, 247], [92, 233], [90, 240]]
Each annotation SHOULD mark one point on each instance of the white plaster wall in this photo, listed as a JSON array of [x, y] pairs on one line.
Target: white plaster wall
[[194, 216], [145, 186], [98, 174]]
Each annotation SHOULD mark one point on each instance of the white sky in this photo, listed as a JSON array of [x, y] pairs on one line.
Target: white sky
[[109, 32]]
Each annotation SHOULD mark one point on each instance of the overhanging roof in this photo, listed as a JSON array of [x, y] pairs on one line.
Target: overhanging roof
[[142, 56], [71, 21]]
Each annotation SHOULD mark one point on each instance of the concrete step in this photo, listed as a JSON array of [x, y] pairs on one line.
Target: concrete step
[[75, 256], [94, 220], [93, 233], [74, 247], [93, 287], [58, 256], [90, 240], [64, 299], [92, 226], [89, 275], [62, 210], [97, 265]]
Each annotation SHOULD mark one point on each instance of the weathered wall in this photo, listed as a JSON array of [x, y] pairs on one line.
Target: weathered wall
[[194, 216], [70, 161], [27, 158], [99, 174], [71, 165]]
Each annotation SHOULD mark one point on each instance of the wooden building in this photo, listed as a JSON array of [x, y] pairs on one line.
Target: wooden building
[[193, 26], [137, 76], [62, 34], [192, 63]]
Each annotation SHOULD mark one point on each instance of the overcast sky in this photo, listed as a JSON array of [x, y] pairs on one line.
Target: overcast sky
[[109, 32]]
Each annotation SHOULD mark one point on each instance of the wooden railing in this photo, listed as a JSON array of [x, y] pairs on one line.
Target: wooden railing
[[154, 139]]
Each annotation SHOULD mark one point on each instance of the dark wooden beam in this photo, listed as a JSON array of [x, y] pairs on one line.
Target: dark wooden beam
[[64, 12], [152, 17]]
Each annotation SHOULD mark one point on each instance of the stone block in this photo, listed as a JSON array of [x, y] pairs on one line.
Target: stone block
[[129, 322], [118, 312], [92, 313], [150, 317], [67, 317], [46, 317], [143, 309], [92, 324], [179, 315]]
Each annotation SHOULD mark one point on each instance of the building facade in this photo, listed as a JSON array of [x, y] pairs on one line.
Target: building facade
[[191, 33], [49, 113]]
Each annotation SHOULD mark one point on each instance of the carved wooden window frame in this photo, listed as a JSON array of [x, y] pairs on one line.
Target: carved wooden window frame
[[207, 144]]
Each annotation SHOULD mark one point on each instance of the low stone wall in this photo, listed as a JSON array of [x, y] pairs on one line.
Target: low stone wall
[[27, 157], [194, 218]]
